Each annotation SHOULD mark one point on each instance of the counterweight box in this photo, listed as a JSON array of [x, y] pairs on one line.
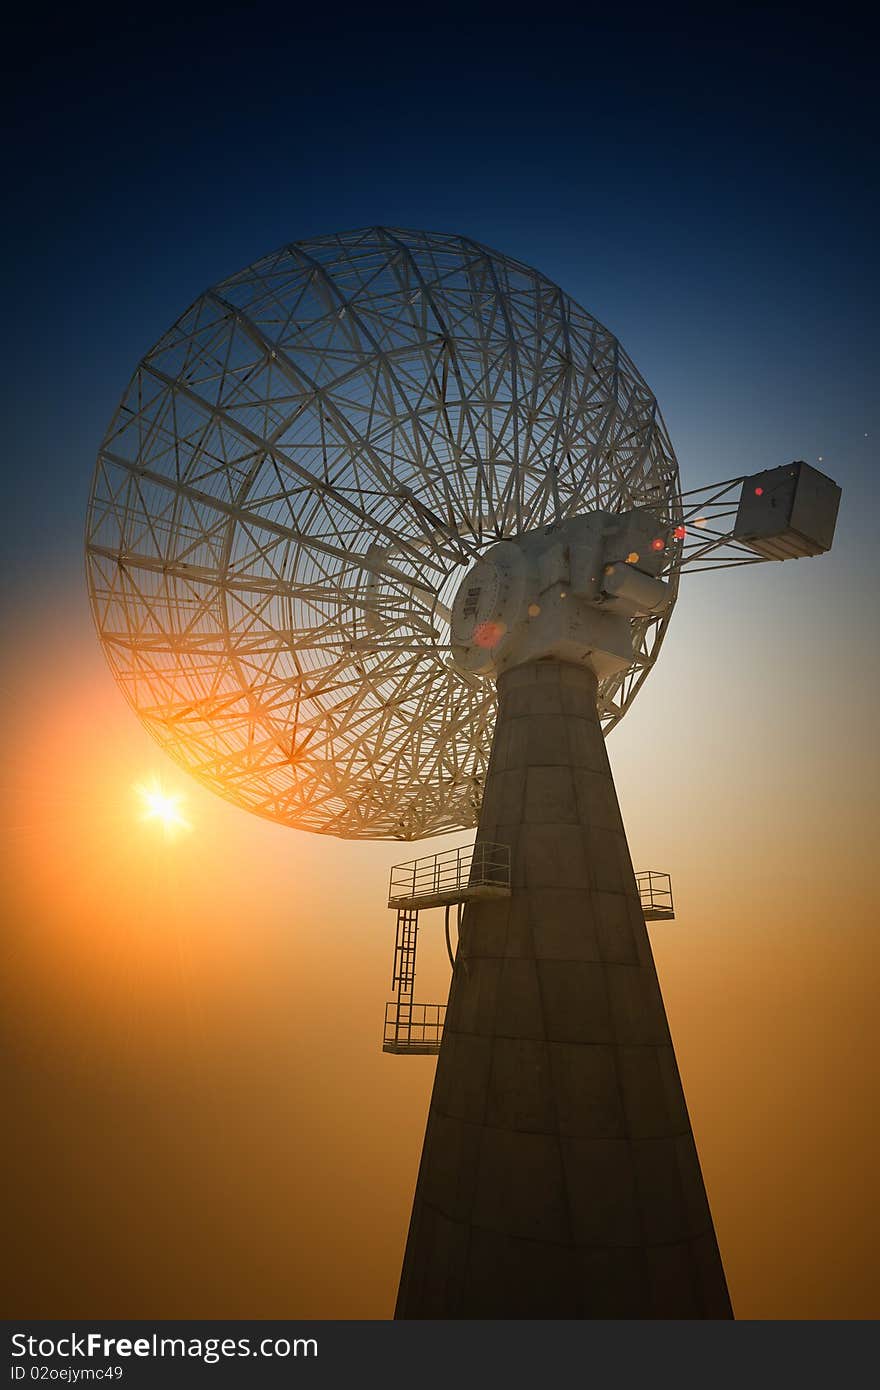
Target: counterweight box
[[787, 512]]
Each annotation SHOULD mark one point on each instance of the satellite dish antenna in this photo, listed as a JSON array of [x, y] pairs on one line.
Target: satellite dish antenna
[[296, 479], [360, 497]]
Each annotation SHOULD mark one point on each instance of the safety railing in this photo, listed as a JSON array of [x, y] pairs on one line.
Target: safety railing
[[455, 874], [413, 1027], [655, 892]]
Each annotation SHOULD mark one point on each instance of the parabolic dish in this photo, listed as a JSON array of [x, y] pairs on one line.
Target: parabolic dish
[[298, 475]]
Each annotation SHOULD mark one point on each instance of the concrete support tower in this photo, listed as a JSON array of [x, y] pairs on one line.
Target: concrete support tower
[[559, 1176]]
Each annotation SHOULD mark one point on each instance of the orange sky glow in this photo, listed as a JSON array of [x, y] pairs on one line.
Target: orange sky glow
[[210, 1127]]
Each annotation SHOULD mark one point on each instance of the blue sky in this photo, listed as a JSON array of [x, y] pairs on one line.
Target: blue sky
[[704, 184]]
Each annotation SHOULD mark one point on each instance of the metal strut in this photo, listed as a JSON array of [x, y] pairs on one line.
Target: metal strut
[[453, 957]]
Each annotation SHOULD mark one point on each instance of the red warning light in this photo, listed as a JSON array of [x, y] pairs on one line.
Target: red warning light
[[680, 532], [489, 634], [759, 492], [658, 544]]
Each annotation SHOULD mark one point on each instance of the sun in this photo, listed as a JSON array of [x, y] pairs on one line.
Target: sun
[[161, 806]]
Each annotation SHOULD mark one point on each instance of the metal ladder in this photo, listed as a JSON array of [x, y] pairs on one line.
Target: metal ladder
[[404, 973]]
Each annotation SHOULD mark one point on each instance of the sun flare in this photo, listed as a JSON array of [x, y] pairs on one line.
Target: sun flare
[[162, 806]]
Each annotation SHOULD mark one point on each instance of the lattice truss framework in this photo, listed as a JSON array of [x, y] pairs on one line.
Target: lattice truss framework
[[287, 495]]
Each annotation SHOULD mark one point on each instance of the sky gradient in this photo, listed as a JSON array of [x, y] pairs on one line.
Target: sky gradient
[[205, 1124]]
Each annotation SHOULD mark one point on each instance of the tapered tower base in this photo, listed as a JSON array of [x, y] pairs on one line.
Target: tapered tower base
[[559, 1177]]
